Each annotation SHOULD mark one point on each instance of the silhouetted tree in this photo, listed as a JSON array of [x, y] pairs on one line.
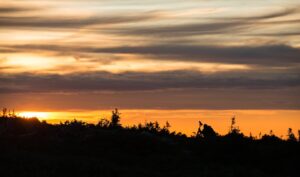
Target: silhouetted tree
[[233, 128], [166, 128], [234, 131], [251, 136], [291, 135], [156, 126], [4, 112], [152, 127], [115, 118]]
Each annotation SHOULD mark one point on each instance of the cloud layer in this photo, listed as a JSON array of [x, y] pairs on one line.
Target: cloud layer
[[106, 82], [170, 47]]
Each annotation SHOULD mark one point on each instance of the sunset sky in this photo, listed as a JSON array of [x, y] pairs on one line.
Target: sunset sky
[[172, 60]]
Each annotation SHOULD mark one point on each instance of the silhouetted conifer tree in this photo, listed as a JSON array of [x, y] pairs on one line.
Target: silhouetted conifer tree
[[233, 128], [115, 118], [166, 128]]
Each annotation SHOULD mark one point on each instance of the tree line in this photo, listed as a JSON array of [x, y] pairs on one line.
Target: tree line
[[204, 131]]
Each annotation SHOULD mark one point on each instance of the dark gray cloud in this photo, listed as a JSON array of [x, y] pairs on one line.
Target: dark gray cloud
[[267, 55], [231, 98], [16, 9], [137, 81], [279, 34], [256, 55]]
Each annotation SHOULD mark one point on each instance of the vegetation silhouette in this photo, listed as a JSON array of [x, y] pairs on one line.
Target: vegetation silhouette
[[207, 132], [30, 147], [115, 119]]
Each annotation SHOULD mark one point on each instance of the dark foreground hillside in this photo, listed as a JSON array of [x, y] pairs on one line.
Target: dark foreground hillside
[[30, 148]]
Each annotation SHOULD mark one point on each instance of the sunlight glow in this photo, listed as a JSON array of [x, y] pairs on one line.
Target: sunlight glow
[[130, 63], [30, 61], [160, 66], [41, 115]]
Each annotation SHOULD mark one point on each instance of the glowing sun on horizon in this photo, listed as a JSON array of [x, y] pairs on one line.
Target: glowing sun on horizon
[[41, 115]]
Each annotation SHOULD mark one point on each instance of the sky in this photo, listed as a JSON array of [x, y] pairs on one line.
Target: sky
[[87, 55]]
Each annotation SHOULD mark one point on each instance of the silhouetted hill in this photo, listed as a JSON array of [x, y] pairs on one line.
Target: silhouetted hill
[[30, 148]]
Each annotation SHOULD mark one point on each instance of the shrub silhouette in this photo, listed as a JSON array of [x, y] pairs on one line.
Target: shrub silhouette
[[206, 132], [75, 124], [270, 138], [103, 123]]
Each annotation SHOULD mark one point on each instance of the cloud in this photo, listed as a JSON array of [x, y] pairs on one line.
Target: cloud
[[183, 29], [256, 55], [214, 26], [281, 13], [70, 22], [279, 34], [18, 8], [266, 55], [139, 81], [149, 33], [14, 9]]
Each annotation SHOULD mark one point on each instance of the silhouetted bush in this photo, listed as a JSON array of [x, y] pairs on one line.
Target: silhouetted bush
[[207, 132], [103, 123]]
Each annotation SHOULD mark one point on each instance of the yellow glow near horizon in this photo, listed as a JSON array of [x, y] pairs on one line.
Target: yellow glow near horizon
[[40, 115], [186, 121]]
